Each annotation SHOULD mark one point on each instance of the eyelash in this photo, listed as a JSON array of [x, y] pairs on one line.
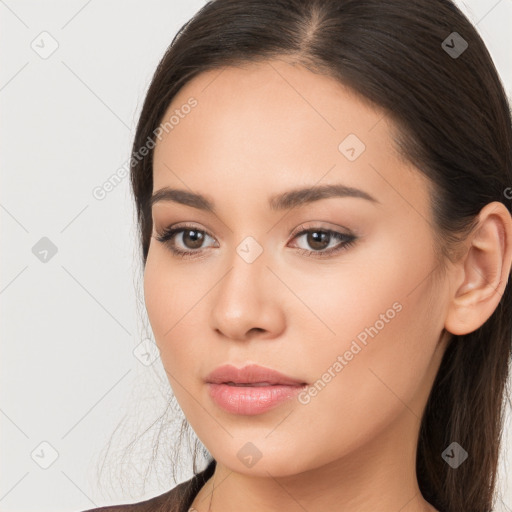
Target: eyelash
[[168, 233]]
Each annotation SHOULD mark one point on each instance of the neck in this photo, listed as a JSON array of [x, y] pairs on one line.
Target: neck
[[376, 476]]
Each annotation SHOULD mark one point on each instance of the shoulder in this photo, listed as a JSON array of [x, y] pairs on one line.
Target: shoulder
[[178, 499], [170, 501]]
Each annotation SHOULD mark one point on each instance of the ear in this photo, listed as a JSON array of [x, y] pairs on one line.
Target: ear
[[482, 273]]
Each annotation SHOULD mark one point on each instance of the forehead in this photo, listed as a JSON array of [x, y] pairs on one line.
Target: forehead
[[254, 101], [272, 124]]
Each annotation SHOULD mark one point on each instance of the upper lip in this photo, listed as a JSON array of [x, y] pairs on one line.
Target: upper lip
[[250, 374]]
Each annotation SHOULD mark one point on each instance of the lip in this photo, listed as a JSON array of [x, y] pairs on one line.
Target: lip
[[253, 389], [250, 374]]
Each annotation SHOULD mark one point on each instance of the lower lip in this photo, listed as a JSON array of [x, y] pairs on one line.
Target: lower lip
[[249, 400]]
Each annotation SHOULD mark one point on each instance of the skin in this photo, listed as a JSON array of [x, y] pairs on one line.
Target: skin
[[259, 130]]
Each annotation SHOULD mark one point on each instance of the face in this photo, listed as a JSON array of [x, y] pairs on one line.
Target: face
[[337, 291]]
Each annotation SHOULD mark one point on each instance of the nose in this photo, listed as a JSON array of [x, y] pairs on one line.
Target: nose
[[247, 302]]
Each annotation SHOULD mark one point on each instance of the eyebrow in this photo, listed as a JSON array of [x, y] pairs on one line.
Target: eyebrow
[[283, 201]]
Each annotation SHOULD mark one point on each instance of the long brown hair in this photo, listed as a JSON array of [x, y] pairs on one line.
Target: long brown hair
[[453, 123]]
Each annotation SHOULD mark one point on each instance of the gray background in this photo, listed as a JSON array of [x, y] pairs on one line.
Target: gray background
[[70, 324]]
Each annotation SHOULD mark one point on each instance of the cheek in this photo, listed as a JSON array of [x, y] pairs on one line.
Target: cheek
[[382, 291], [385, 332], [375, 382], [170, 296]]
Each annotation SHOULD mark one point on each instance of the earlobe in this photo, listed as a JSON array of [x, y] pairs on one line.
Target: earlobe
[[485, 269]]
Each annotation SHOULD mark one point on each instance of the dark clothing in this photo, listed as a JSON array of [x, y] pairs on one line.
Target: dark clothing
[[178, 499]]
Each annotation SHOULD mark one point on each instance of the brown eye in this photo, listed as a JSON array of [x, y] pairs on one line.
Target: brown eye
[[318, 241], [192, 238], [188, 244]]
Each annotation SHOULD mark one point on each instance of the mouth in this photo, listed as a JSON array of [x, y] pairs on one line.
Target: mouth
[[249, 399], [255, 384], [251, 375], [252, 389]]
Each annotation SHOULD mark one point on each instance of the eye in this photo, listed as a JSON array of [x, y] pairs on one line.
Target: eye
[[191, 238], [321, 241], [189, 243]]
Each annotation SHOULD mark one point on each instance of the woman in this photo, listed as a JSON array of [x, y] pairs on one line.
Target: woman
[[323, 195]]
